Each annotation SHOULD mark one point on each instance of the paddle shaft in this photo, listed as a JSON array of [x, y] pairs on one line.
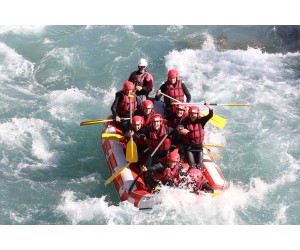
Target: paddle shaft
[[215, 120], [214, 146], [91, 122], [171, 98], [149, 158], [110, 179], [228, 104], [216, 104], [130, 108]]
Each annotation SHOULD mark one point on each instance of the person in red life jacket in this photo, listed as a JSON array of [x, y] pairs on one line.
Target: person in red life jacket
[[174, 88], [155, 133], [121, 105], [168, 172], [146, 111], [179, 112], [197, 182], [192, 127], [138, 136], [143, 80], [173, 120]]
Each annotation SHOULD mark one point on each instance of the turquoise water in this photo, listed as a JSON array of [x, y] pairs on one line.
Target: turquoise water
[[52, 171]]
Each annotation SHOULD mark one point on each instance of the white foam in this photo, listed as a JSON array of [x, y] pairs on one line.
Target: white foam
[[64, 56], [85, 210], [65, 104], [281, 217], [30, 136], [92, 178], [14, 65], [174, 28]]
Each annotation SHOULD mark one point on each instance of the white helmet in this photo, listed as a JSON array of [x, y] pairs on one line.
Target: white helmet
[[143, 62]]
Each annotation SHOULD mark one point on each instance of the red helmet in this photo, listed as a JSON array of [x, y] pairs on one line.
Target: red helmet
[[194, 109], [137, 120], [180, 106], [174, 156], [147, 104], [196, 175], [128, 86], [173, 73], [156, 118]]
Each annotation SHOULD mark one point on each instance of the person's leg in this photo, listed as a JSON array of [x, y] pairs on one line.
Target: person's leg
[[181, 153], [198, 158], [190, 158]]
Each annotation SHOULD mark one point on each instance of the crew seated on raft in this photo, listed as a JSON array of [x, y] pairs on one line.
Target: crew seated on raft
[[169, 171]]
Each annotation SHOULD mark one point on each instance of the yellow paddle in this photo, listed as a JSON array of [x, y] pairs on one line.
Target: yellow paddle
[[214, 156], [91, 122], [211, 194], [108, 136], [131, 150], [213, 146], [110, 179], [146, 164], [216, 120], [131, 156]]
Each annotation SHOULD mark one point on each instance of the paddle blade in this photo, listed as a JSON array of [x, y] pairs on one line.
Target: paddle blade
[[108, 136], [214, 156], [215, 194], [110, 179], [91, 122], [131, 151], [216, 120]]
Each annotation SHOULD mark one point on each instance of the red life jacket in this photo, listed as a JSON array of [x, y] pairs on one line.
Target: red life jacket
[[174, 120], [142, 79], [197, 178], [168, 175], [163, 177], [140, 143], [196, 134], [147, 120], [138, 78], [123, 107], [174, 91], [156, 137]]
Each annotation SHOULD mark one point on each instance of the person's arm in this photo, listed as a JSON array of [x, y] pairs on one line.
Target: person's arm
[[139, 102], [162, 89], [148, 83], [128, 134], [181, 128], [207, 188], [186, 92], [143, 90], [171, 131], [114, 106], [158, 167], [138, 136], [131, 77], [205, 119]]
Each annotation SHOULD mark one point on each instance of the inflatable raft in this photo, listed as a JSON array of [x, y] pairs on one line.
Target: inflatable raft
[[140, 197]]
